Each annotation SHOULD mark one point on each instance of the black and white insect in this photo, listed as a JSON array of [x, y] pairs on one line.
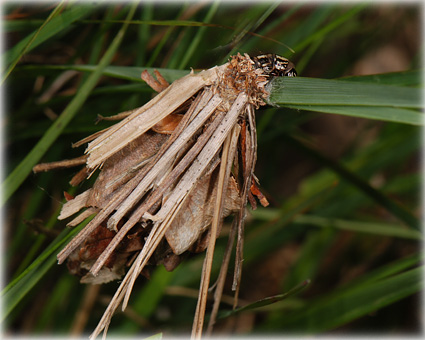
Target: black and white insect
[[275, 65]]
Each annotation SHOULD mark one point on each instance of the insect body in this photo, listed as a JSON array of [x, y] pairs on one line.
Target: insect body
[[275, 65]]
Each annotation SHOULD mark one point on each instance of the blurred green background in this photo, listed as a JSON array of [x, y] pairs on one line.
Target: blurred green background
[[345, 191]]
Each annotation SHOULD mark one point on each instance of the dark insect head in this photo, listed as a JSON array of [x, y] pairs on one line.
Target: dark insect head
[[275, 65]]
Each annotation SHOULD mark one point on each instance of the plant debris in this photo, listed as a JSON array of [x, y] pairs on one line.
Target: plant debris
[[169, 172]]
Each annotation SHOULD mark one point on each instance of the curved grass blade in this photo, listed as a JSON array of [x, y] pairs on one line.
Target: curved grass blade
[[54, 24], [255, 21], [384, 229], [265, 302], [310, 257], [184, 23], [32, 251], [14, 180], [199, 35], [164, 38], [384, 272], [321, 33], [253, 42], [16, 290], [393, 207], [20, 231], [120, 72], [273, 232], [146, 301], [347, 305]]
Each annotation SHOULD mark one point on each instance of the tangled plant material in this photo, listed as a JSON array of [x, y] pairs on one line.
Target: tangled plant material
[[170, 171]]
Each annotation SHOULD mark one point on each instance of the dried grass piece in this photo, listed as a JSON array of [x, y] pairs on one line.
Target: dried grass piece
[[147, 116], [170, 171], [75, 205], [67, 163]]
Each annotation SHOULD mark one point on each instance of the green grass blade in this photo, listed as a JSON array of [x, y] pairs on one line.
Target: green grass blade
[[323, 32], [386, 114], [405, 78], [199, 35], [21, 25], [386, 271], [54, 24], [310, 257], [384, 229], [21, 229], [14, 180], [131, 73], [348, 305], [253, 42], [15, 291], [265, 302], [49, 311], [171, 23], [272, 233], [21, 48], [313, 91], [146, 302], [393, 207], [253, 17], [320, 16], [143, 33], [167, 34], [35, 247]]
